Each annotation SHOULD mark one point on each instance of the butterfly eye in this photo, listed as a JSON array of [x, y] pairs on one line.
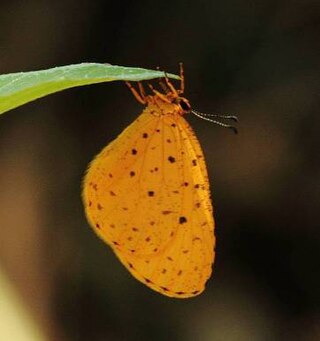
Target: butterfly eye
[[185, 105]]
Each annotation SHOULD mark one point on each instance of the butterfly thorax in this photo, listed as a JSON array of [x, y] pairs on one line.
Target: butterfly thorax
[[167, 104]]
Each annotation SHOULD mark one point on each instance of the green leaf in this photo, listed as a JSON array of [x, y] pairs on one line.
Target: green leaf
[[22, 87]]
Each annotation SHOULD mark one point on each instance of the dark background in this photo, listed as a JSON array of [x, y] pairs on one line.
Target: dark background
[[258, 59]]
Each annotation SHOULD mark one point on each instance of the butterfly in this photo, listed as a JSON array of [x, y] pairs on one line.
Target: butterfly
[[147, 195]]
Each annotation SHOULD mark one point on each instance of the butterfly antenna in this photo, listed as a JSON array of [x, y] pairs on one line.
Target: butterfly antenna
[[208, 117], [221, 116]]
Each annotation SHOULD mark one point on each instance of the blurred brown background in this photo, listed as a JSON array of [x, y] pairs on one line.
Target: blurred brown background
[[258, 59]]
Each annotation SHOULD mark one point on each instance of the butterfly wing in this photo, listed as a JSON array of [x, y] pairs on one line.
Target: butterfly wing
[[129, 188], [168, 242]]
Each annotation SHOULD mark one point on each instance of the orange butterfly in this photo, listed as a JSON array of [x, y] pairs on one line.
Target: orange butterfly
[[147, 196]]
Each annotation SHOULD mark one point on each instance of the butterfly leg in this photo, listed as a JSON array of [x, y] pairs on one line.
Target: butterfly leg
[[170, 86], [142, 91], [164, 87], [162, 84], [140, 97], [160, 95], [181, 91]]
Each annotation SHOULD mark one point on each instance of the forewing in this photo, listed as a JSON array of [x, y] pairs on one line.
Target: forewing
[[183, 266], [131, 188]]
